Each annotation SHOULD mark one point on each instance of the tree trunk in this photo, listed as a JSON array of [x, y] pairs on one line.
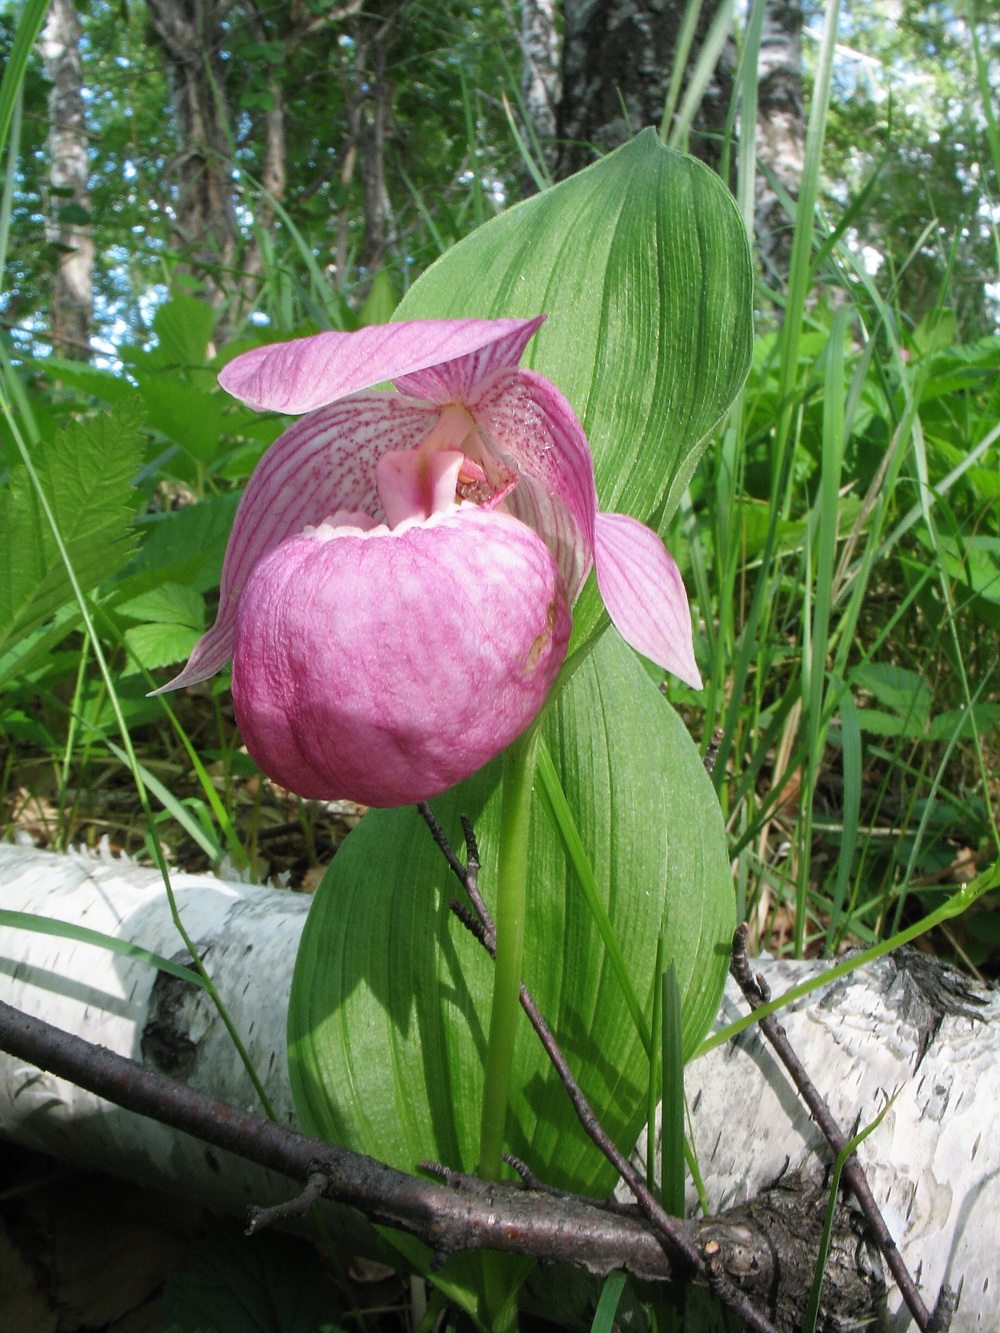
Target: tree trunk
[[618, 58], [369, 110], [541, 83], [192, 34], [780, 132], [904, 1024], [69, 176]]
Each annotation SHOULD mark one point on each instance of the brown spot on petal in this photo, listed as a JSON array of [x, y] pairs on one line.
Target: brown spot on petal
[[541, 642]]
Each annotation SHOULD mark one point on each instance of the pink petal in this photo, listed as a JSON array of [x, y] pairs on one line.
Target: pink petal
[[308, 373], [386, 667], [644, 594], [455, 381], [324, 462], [412, 484], [529, 426]]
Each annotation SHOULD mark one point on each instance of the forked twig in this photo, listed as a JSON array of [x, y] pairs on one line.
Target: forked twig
[[756, 992], [706, 1266]]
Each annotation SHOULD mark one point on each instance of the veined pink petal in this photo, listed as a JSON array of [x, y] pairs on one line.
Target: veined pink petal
[[455, 381], [322, 463], [385, 667], [644, 594], [308, 373], [528, 424]]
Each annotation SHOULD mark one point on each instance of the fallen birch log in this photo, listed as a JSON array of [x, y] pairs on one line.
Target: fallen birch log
[[901, 1026]]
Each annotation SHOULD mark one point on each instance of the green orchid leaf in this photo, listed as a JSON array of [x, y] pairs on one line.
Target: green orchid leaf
[[390, 1002], [642, 265]]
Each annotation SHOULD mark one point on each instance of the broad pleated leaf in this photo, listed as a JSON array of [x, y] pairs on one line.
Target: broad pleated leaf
[[390, 1003]]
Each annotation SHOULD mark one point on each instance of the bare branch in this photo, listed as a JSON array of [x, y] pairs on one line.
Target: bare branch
[[756, 992]]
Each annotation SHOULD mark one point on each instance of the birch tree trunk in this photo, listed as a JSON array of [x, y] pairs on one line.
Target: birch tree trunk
[[69, 176], [541, 83], [904, 1026], [618, 57], [781, 132]]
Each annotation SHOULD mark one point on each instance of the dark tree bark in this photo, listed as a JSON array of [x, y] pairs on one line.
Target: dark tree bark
[[780, 131], [617, 63], [192, 35], [71, 313], [369, 117]]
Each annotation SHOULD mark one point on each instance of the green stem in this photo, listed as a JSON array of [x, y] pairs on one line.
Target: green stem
[[512, 884]]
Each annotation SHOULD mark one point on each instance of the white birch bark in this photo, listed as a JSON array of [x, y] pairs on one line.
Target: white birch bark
[[780, 131], [903, 1025], [69, 175]]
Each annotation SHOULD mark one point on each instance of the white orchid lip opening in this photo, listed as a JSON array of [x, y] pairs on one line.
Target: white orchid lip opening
[[396, 589]]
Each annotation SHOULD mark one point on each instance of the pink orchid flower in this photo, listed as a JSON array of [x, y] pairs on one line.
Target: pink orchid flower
[[396, 589]]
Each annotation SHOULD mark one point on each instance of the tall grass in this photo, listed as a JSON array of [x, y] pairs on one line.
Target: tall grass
[[829, 594]]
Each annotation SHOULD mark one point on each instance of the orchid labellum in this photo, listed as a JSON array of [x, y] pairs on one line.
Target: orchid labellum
[[396, 590]]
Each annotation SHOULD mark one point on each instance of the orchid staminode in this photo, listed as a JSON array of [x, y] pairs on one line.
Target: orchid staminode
[[397, 587]]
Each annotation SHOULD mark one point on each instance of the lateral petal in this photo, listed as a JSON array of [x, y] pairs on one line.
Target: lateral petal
[[308, 373], [530, 427], [644, 594], [324, 462]]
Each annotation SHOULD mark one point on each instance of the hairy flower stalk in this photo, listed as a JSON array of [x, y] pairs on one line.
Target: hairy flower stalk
[[397, 587]]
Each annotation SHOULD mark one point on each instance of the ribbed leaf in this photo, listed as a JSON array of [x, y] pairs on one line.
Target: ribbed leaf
[[390, 1002]]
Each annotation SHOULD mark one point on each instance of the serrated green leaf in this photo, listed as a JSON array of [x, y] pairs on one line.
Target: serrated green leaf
[[390, 1001], [184, 546], [183, 327], [100, 384], [906, 692], [86, 472], [169, 604], [153, 646], [184, 413]]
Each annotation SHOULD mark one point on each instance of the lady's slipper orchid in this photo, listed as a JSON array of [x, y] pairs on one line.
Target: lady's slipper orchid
[[396, 589]]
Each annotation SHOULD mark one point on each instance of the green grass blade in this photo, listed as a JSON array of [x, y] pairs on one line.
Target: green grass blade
[[812, 1309], [800, 268], [852, 759], [957, 904], [68, 930], [985, 93], [10, 176], [607, 1306], [28, 27], [817, 633], [212, 849], [478, 208], [746, 162], [672, 1117], [654, 1095], [682, 50], [708, 58], [557, 809]]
